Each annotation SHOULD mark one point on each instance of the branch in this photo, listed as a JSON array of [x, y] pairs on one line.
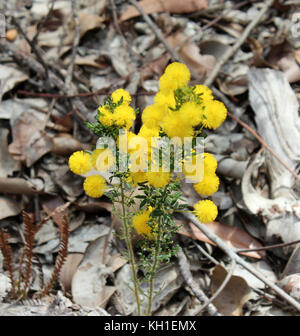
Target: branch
[[222, 286], [188, 278], [232, 254]]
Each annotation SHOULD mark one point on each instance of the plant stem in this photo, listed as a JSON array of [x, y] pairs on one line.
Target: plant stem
[[129, 248], [153, 269]]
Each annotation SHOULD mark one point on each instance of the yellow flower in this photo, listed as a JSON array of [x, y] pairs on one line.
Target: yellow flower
[[165, 100], [106, 161], [175, 76], [208, 186], [193, 168], [94, 186], [210, 163], [139, 222], [214, 114], [152, 116], [80, 163], [191, 113], [175, 125], [158, 179], [205, 92], [106, 118], [137, 177], [206, 211], [118, 94], [124, 116]]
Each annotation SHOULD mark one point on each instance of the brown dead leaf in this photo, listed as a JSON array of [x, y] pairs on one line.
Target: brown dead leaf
[[235, 294], [30, 142], [68, 270], [190, 54], [283, 57], [7, 164], [94, 207], [8, 207], [55, 207], [233, 236], [169, 6]]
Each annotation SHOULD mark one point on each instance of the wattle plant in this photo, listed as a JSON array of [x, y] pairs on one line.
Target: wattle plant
[[168, 148]]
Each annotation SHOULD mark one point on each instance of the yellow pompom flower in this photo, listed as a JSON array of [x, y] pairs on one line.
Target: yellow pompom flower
[[118, 94], [106, 117], [214, 114], [191, 113], [175, 76], [152, 116], [137, 177], [206, 211], [94, 186], [205, 92], [124, 116], [175, 125], [193, 168], [107, 159], [158, 179], [165, 100], [210, 163], [139, 222], [80, 162], [208, 186]]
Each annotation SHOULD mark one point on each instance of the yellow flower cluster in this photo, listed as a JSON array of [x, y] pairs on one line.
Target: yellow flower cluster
[[122, 115], [81, 163], [139, 222], [179, 109]]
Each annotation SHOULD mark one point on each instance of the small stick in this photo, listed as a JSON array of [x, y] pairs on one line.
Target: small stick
[[269, 247], [222, 245], [41, 25], [156, 31], [222, 286], [231, 51], [32, 46], [188, 278], [74, 47]]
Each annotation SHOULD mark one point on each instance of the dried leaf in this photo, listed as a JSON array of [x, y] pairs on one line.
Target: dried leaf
[[235, 294], [68, 270], [233, 236], [169, 6], [8, 207], [30, 142], [9, 78], [7, 164], [89, 281], [190, 54]]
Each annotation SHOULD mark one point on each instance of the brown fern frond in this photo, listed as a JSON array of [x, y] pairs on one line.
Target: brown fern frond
[[29, 232], [7, 258], [61, 257]]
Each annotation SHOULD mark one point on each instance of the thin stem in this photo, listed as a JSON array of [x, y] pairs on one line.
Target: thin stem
[[153, 269], [130, 249]]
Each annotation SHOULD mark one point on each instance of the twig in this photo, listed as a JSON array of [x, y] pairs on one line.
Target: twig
[[269, 247], [32, 46], [188, 278], [68, 81], [231, 51], [222, 286], [16, 185], [232, 254], [156, 31], [41, 25], [208, 256]]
